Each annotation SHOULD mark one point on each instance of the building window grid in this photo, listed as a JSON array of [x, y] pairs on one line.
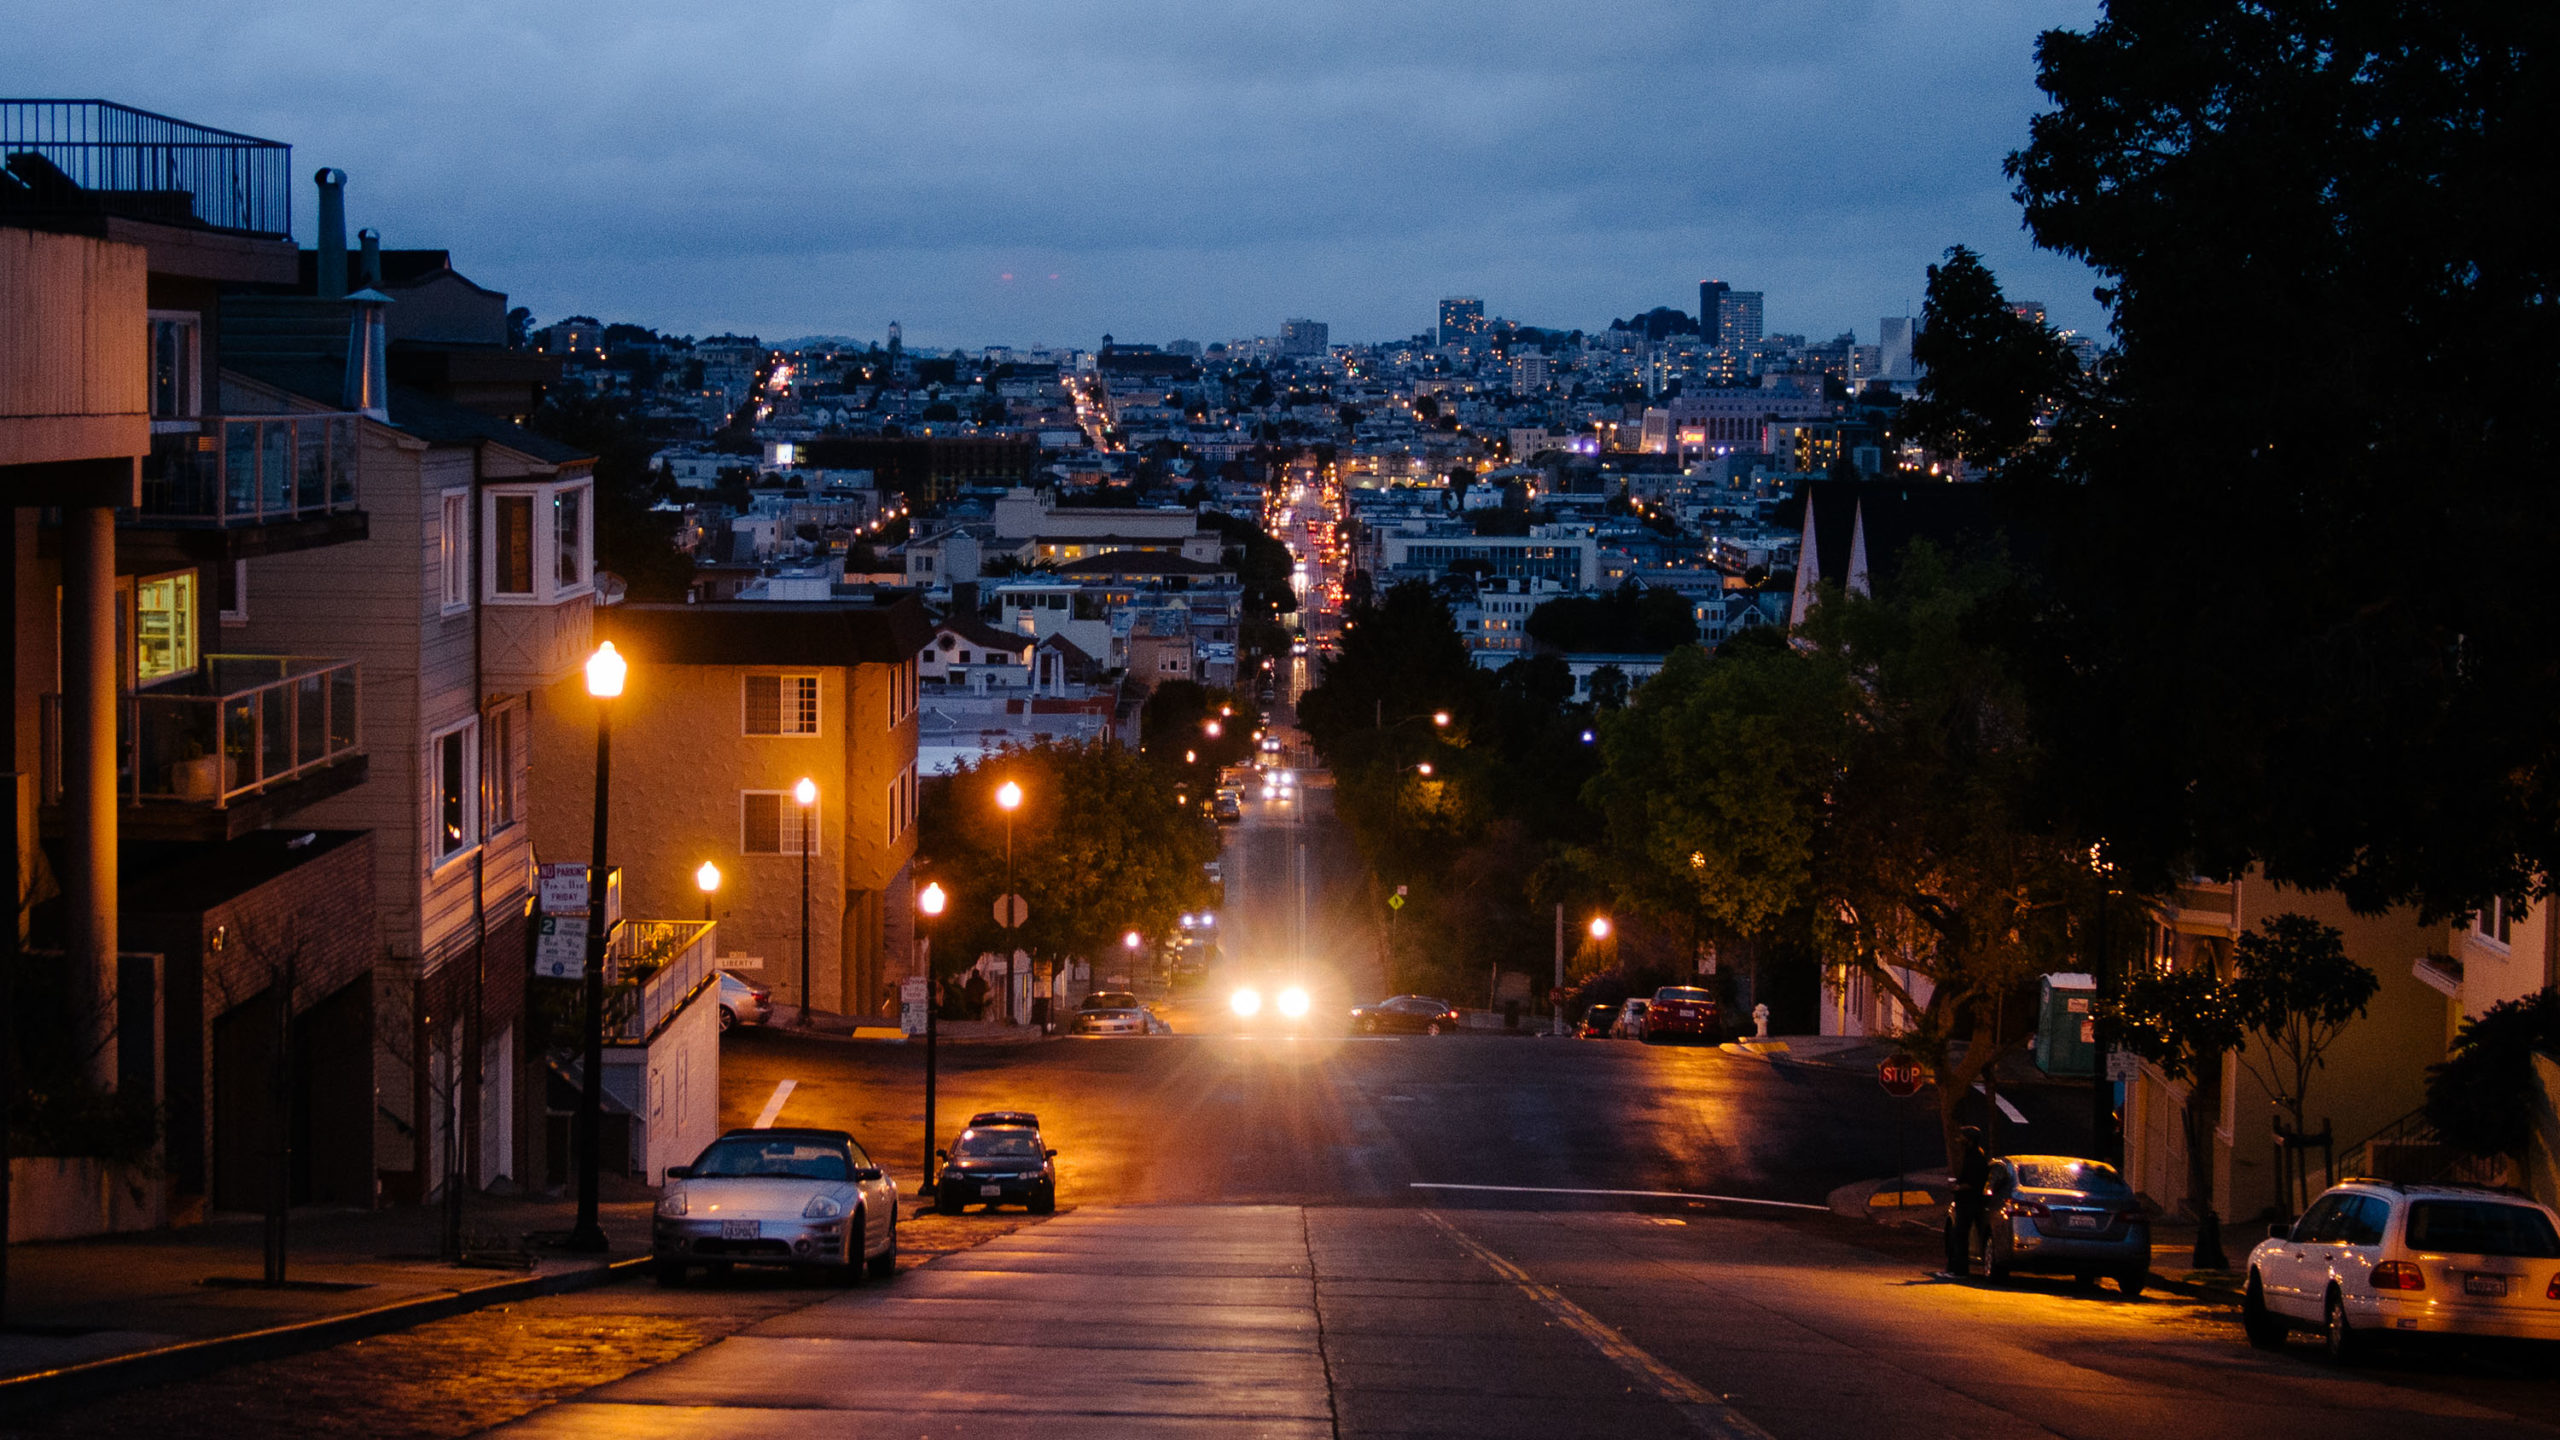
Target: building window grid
[[2492, 923], [769, 823], [781, 705], [505, 798], [454, 550]]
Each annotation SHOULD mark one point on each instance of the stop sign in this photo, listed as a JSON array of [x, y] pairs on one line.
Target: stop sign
[[1899, 1076]]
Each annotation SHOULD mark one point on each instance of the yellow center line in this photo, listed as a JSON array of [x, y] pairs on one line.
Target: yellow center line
[[1705, 1411]]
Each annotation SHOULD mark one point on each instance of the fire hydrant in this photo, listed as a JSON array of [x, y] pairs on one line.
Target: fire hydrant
[[1760, 1021]]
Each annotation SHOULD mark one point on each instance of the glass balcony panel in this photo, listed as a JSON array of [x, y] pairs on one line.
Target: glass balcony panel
[[275, 466], [275, 732], [310, 719], [240, 469], [342, 710], [311, 465], [342, 462]]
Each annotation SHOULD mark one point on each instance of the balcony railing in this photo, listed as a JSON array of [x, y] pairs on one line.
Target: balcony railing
[[97, 157], [652, 967], [242, 724], [251, 470]]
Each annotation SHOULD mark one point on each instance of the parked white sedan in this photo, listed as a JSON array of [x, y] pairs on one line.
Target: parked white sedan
[[2372, 1258], [778, 1197]]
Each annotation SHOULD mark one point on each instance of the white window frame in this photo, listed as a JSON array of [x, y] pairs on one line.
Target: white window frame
[[237, 612], [544, 497], [2491, 925], [438, 856], [784, 681], [453, 549], [902, 803], [787, 826], [502, 739]]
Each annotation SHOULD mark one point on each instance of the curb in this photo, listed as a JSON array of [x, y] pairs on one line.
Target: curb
[[114, 1374]]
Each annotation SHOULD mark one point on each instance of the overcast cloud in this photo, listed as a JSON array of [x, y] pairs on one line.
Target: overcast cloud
[[1023, 172]]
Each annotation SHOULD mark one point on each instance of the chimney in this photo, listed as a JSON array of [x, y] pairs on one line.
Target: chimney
[[368, 381], [369, 266], [333, 234]]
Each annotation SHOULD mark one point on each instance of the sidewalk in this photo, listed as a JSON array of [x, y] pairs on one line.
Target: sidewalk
[[826, 1025], [1862, 1053], [76, 1301]]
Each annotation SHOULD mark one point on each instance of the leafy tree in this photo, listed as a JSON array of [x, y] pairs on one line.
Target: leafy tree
[[1886, 778], [2184, 1022], [2295, 990], [1100, 847], [1990, 372], [2346, 176], [1630, 619], [2478, 1100]]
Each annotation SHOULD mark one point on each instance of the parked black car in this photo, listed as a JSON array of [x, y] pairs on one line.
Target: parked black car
[[1406, 1015], [1000, 1159]]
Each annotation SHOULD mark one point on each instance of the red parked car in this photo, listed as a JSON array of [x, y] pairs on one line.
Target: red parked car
[[1680, 1012]]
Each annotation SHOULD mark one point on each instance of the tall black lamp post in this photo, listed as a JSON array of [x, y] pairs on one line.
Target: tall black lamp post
[[930, 901], [806, 793], [605, 672]]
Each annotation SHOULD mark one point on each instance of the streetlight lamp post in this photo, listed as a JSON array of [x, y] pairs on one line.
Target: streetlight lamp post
[[806, 793], [606, 670], [708, 880], [1009, 799], [930, 901]]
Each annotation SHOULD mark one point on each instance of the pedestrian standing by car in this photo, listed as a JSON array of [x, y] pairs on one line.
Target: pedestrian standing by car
[[976, 993], [1964, 1216]]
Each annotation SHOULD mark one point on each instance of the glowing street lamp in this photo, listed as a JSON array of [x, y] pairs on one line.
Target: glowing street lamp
[[930, 901], [707, 880], [806, 794], [606, 672], [1009, 799], [1599, 927]]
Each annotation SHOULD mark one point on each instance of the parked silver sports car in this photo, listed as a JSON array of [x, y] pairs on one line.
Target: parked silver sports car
[[778, 1197]]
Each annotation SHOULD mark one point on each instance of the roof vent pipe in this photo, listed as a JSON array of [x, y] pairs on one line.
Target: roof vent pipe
[[333, 234], [369, 263]]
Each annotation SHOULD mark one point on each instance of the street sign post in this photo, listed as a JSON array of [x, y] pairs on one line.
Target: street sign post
[[2123, 1065], [1012, 910], [911, 1005], [560, 947], [1901, 1077]]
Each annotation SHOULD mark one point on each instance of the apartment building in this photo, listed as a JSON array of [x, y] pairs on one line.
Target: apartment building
[[172, 840], [727, 708]]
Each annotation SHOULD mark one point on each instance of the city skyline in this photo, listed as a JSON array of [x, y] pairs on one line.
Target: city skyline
[[1059, 172]]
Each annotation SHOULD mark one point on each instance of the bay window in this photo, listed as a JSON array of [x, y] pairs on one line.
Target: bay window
[[540, 539]]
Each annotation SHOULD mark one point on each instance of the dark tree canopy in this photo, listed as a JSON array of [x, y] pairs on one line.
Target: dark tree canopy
[[1990, 371], [2311, 613], [1631, 619]]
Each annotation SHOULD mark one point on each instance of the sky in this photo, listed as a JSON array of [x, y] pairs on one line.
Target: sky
[[1023, 173]]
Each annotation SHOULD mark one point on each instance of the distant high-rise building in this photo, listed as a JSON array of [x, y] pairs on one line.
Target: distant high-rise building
[[1461, 318], [1894, 334], [1738, 318], [1711, 295], [1304, 337], [1530, 372], [2028, 310]]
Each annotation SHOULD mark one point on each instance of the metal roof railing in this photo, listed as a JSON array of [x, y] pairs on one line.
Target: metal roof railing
[[98, 156]]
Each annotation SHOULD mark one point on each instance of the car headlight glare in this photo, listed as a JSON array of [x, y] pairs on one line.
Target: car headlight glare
[[1247, 1001], [1293, 1002], [673, 1205], [822, 1207]]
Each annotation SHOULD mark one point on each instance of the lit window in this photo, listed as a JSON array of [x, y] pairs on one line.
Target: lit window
[[782, 704], [568, 511], [453, 786], [769, 823], [506, 740], [164, 626]]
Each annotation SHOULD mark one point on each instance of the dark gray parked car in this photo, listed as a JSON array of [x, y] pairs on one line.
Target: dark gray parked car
[[2057, 1215]]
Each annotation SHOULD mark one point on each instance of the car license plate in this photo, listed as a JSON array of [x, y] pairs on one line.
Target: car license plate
[[2485, 1285], [741, 1229], [2083, 1222], [998, 1190]]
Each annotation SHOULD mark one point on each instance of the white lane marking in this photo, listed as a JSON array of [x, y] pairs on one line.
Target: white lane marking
[[1632, 1194], [773, 1108], [1703, 1409], [2003, 1102]]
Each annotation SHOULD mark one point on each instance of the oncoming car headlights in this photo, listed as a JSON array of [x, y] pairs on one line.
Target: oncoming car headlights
[[1293, 1002], [1246, 1002]]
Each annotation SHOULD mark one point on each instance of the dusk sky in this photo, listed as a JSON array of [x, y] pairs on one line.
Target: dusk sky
[[1045, 172]]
